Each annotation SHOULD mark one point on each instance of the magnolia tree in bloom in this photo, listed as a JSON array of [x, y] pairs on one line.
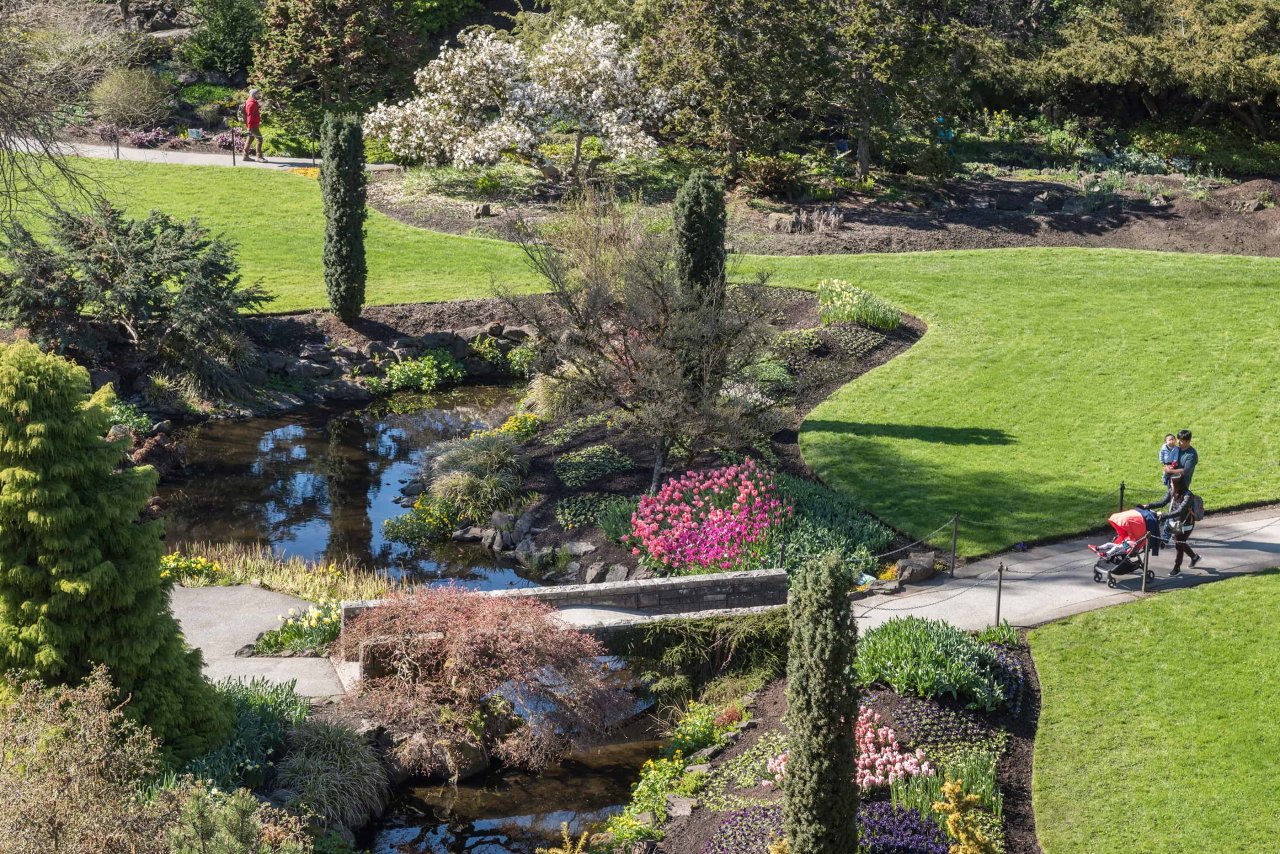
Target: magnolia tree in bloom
[[489, 95]]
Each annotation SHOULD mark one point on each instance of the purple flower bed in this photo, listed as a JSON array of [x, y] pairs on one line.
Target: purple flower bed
[[108, 132], [883, 829], [926, 723], [148, 138], [223, 141], [746, 831], [1007, 670], [886, 829]]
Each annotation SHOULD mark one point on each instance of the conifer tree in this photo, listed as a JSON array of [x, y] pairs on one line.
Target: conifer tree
[[80, 577], [343, 184], [699, 228], [820, 801]]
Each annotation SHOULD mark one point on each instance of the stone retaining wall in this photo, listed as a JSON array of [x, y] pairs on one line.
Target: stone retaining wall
[[652, 596]]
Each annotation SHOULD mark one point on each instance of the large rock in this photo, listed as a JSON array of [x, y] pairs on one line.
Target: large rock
[[917, 567], [595, 573], [98, 377], [442, 341], [276, 363], [517, 334], [578, 548], [303, 369], [346, 391], [316, 353], [617, 572]]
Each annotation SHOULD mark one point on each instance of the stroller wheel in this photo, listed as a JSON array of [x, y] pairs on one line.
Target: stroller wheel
[[1151, 575], [1111, 582], [1097, 577]]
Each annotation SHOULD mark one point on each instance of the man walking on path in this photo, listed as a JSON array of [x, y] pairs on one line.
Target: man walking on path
[[253, 125], [1185, 465]]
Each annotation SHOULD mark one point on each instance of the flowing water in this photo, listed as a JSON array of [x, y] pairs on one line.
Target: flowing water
[[511, 812], [319, 483]]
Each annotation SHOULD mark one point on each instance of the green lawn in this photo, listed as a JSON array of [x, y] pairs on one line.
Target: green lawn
[[1158, 727], [1047, 375], [276, 220]]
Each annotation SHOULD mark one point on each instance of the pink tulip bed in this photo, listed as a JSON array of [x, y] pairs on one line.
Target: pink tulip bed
[[714, 520]]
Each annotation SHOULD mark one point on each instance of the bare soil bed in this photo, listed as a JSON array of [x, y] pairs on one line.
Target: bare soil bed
[[981, 213]]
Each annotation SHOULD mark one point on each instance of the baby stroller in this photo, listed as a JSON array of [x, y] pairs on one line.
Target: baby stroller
[[1123, 555]]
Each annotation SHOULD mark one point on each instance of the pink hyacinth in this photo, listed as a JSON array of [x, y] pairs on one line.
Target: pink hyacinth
[[880, 759], [713, 520]]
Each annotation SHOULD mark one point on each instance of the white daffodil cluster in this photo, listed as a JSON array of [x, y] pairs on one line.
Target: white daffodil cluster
[[489, 96]]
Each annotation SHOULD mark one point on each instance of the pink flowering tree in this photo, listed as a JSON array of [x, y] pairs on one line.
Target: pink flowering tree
[[709, 521]]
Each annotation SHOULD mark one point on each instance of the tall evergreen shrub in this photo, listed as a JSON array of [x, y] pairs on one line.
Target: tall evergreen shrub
[[343, 184], [820, 802], [699, 227], [79, 569]]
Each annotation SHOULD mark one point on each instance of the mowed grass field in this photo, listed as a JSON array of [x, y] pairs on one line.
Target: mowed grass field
[[1158, 730], [1046, 378]]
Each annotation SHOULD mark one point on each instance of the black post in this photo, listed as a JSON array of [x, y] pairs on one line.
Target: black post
[[955, 537], [1146, 561], [1122, 496], [233, 145], [999, 590]]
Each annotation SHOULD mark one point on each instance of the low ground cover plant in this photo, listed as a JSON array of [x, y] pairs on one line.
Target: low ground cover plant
[[823, 521], [589, 509], [578, 468], [843, 301], [574, 428], [930, 658], [434, 369], [709, 521]]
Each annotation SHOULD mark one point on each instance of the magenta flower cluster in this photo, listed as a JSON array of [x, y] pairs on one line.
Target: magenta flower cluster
[[881, 760], [708, 521]]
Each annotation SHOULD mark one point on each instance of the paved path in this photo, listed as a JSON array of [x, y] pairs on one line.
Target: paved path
[[220, 620], [1049, 582], [193, 158]]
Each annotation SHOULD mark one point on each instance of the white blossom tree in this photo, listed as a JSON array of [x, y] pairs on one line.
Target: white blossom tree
[[489, 95]]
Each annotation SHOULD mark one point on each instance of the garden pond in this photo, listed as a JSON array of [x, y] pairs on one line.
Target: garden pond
[[511, 812], [319, 483]]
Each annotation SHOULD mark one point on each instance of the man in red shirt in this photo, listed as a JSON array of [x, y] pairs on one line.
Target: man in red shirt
[[253, 125]]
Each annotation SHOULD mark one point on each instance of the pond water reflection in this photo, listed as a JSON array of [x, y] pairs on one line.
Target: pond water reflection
[[318, 484], [511, 812]]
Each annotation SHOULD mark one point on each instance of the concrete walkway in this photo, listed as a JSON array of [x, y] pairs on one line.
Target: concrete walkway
[[1050, 582], [193, 158], [220, 620]]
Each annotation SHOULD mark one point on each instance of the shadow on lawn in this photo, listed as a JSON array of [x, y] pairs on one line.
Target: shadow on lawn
[[920, 432]]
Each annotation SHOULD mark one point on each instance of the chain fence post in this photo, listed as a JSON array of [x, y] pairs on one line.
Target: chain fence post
[[1146, 561], [955, 538], [999, 590], [1122, 496], [233, 144]]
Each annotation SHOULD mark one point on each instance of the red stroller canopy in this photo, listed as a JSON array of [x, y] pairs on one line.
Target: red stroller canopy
[[1129, 525]]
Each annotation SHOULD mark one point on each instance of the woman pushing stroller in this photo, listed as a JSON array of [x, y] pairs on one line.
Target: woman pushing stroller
[[1180, 519]]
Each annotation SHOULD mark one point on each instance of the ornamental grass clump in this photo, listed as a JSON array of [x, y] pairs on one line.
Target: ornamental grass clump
[[334, 772], [930, 658], [709, 521]]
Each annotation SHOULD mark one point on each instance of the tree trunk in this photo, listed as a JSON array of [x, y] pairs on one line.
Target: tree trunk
[[731, 155], [577, 153], [660, 448], [1201, 112], [864, 151], [1150, 103]]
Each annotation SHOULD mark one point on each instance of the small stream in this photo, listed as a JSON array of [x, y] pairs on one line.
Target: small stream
[[319, 483], [512, 812]]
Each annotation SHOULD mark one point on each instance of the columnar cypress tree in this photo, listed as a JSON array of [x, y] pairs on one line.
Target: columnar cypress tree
[[343, 184], [699, 226], [79, 570], [820, 804]]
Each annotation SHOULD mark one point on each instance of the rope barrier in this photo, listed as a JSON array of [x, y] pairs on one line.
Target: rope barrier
[[920, 541]]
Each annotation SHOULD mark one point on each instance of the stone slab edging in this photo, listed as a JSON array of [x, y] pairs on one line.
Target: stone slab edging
[[723, 591]]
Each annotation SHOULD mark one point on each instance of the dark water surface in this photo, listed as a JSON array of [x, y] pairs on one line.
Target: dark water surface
[[511, 812], [318, 484]]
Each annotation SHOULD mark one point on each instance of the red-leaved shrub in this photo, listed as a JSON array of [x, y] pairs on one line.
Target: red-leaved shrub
[[463, 672]]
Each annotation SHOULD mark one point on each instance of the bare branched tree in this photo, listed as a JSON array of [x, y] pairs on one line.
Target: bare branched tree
[[51, 53], [619, 331]]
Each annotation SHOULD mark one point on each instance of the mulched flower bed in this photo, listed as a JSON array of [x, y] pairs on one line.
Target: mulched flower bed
[[755, 806]]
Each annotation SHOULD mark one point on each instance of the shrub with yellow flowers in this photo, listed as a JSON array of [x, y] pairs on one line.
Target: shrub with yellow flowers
[[521, 427]]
